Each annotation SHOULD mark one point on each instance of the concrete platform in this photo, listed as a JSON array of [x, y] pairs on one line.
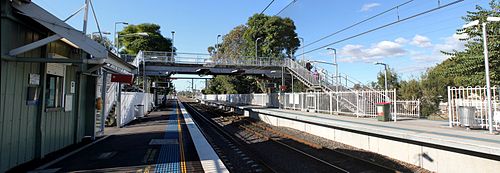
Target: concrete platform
[[425, 143], [164, 141]]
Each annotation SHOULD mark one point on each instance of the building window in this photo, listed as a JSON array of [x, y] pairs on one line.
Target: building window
[[54, 92]]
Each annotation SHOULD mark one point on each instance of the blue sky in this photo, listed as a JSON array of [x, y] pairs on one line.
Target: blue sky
[[409, 47]]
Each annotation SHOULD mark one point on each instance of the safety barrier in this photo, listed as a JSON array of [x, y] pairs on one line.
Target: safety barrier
[[267, 100], [475, 98], [128, 102], [204, 59], [356, 103]]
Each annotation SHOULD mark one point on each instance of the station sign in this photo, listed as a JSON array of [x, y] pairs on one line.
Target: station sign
[[122, 78]]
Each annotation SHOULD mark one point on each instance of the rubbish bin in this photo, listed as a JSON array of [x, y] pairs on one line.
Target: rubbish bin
[[383, 111], [466, 115], [139, 111]]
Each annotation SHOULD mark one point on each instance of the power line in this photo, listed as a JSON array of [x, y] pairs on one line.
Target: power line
[[267, 7], [356, 24], [383, 26], [283, 9]]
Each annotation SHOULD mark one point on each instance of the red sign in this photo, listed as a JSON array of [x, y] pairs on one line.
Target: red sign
[[123, 78], [283, 87]]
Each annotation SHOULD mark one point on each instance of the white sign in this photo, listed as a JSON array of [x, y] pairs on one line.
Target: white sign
[[34, 79], [72, 87], [57, 69], [68, 105]]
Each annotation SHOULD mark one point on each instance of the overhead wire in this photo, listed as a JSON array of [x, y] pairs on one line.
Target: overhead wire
[[267, 7], [383, 26], [284, 8], [357, 23]]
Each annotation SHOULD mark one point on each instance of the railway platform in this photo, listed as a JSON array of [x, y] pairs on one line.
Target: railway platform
[[165, 141], [432, 145]]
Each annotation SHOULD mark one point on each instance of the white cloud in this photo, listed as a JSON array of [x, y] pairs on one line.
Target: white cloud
[[401, 40], [451, 43], [369, 6], [421, 41], [375, 52], [434, 55]]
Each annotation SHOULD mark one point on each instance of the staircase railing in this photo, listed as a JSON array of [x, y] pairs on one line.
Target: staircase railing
[[111, 94], [302, 73]]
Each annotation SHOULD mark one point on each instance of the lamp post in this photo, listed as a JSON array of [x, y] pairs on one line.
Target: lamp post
[[115, 37], [217, 46], [486, 65], [303, 55], [256, 48], [172, 47], [336, 74], [385, 76]]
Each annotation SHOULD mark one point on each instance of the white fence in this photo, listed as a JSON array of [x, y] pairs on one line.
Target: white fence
[[128, 108], [474, 97], [356, 103], [267, 100]]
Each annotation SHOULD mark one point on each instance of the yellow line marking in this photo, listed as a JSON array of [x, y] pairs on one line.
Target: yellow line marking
[[147, 169], [183, 160]]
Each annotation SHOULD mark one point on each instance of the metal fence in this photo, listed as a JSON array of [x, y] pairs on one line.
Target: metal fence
[[354, 103], [206, 59], [475, 98], [266, 100]]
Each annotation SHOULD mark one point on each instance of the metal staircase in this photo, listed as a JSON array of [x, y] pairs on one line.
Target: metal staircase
[[349, 100]]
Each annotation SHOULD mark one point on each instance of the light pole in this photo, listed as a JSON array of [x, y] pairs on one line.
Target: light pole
[[172, 47], [115, 36], [336, 74], [217, 46], [256, 48], [486, 65], [303, 55], [385, 75]]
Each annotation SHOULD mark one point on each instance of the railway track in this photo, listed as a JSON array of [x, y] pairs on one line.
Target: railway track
[[294, 149]]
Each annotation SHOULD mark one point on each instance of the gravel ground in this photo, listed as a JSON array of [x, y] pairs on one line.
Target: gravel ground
[[349, 150], [328, 151]]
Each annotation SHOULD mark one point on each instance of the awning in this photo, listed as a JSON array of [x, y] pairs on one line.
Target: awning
[[62, 30]]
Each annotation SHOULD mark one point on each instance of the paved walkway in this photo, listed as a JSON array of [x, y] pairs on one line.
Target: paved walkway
[[159, 142]]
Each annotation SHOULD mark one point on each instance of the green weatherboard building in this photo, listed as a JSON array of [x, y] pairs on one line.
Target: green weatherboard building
[[49, 74]]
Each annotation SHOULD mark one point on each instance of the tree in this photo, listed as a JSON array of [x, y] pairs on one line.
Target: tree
[[278, 40], [464, 68], [392, 79], [134, 42], [410, 90], [102, 40], [278, 36], [467, 67]]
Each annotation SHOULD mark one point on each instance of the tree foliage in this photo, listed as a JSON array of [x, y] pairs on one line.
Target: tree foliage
[[277, 40], [102, 40], [392, 79], [278, 36], [153, 42], [466, 68]]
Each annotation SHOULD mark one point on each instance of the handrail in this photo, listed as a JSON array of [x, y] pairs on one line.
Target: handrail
[[110, 98]]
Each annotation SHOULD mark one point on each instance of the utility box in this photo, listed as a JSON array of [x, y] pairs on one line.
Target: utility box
[[139, 111], [467, 116], [383, 111]]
